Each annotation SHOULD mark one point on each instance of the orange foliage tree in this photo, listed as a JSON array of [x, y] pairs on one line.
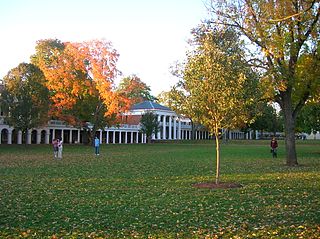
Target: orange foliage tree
[[134, 90], [80, 77]]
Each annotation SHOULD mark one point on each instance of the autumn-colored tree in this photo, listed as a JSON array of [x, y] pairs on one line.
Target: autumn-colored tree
[[80, 77], [149, 125], [25, 97], [286, 38], [214, 81], [178, 98], [134, 90]]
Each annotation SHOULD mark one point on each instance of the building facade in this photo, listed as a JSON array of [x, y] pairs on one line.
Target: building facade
[[172, 127]]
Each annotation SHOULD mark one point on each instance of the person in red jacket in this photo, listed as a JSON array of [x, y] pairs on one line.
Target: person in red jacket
[[274, 146]]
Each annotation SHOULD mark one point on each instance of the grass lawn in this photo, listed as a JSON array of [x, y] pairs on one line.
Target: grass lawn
[[145, 191]]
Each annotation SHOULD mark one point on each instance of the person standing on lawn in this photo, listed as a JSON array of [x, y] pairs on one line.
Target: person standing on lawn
[[55, 148], [60, 147], [274, 146], [97, 146]]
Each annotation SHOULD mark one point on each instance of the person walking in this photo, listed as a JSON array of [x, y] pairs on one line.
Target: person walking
[[60, 148], [274, 146], [55, 148], [97, 146]]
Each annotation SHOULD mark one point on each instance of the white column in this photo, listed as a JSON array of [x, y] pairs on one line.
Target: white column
[[70, 136], [137, 137], [144, 138], [164, 127], [126, 137], [107, 137], [28, 136], [114, 137], [10, 136], [131, 137], [53, 134], [19, 137], [179, 128], [175, 128], [62, 135], [78, 136], [47, 137], [100, 138], [38, 139], [120, 137], [170, 127], [158, 134]]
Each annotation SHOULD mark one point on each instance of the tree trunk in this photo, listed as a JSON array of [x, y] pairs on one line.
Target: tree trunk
[[217, 159], [289, 127]]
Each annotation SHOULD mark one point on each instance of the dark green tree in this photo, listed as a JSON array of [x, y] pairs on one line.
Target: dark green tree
[[149, 125], [308, 120], [25, 97], [267, 119]]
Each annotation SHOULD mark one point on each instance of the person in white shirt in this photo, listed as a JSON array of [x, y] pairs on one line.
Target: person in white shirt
[[60, 147]]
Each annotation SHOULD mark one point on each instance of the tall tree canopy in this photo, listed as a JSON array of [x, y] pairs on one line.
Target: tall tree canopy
[[25, 97], [80, 77], [267, 119], [308, 120], [134, 90], [286, 38], [214, 81]]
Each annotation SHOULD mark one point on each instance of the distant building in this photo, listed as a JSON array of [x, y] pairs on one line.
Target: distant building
[[172, 127]]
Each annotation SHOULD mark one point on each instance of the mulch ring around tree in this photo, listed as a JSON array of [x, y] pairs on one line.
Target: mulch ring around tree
[[213, 185]]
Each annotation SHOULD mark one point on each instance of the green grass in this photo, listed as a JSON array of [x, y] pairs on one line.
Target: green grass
[[145, 191]]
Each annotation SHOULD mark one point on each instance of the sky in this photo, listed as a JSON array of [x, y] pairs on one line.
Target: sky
[[149, 35]]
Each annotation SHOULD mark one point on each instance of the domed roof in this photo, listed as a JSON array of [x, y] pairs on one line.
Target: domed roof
[[149, 105]]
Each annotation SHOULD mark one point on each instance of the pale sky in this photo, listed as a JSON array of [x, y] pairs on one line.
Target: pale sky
[[149, 35]]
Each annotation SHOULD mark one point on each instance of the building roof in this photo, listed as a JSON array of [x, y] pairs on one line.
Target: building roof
[[149, 105]]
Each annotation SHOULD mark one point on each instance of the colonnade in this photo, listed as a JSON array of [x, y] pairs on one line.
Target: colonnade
[[9, 135], [172, 127]]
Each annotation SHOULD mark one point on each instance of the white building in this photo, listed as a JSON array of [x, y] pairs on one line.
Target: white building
[[172, 127]]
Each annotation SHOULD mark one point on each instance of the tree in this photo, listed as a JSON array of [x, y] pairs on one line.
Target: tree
[[215, 84], [177, 99], [308, 120], [25, 97], [149, 125], [285, 34], [134, 90], [267, 119], [80, 77]]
